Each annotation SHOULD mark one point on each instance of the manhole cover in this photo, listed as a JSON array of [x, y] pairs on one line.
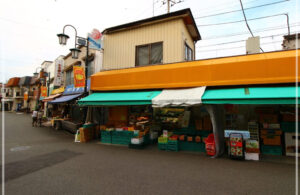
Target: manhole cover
[[20, 148]]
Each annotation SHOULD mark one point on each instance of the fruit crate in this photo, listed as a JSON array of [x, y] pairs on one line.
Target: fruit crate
[[172, 145], [191, 146], [162, 146], [106, 140], [273, 150]]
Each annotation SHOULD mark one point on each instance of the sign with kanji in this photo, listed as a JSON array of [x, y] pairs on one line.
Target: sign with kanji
[[58, 75], [95, 39], [79, 76], [43, 91]]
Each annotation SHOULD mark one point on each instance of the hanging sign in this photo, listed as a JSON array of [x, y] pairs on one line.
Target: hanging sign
[[79, 76], [25, 96], [43, 91], [59, 63], [94, 39]]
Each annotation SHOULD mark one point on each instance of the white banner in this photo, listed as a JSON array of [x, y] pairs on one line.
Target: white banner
[[58, 75]]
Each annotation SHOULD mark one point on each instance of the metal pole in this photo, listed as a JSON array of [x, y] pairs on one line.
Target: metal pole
[[86, 65], [48, 93], [168, 6]]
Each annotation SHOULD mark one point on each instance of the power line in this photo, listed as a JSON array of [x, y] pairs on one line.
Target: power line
[[238, 10], [225, 43], [258, 30], [246, 18], [240, 20], [266, 43]]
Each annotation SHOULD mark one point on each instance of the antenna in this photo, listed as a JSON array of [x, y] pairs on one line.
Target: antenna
[[171, 3]]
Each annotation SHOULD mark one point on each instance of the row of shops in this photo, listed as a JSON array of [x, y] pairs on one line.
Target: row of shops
[[189, 119]]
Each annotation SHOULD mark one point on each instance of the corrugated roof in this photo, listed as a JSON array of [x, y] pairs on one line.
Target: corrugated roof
[[13, 82], [186, 14]]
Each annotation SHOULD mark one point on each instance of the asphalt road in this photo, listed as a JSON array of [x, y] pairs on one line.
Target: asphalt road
[[45, 161]]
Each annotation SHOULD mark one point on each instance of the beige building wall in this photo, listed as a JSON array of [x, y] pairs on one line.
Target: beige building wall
[[120, 47]]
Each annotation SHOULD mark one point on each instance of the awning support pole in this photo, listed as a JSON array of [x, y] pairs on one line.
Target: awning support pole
[[217, 115]]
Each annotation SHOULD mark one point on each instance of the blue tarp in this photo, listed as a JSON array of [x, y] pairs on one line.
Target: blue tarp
[[64, 99]]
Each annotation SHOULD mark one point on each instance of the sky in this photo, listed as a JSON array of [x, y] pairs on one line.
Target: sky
[[28, 28]]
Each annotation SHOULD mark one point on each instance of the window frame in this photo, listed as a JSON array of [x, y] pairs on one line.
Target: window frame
[[186, 49], [149, 53]]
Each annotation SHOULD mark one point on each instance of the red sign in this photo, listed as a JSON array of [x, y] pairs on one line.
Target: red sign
[[43, 91], [79, 76]]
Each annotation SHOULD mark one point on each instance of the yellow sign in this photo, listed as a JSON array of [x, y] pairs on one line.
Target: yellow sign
[[58, 90], [79, 76]]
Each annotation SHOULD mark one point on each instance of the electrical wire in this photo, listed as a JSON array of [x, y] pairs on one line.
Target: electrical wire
[[268, 4], [225, 43], [230, 48], [237, 21], [258, 30]]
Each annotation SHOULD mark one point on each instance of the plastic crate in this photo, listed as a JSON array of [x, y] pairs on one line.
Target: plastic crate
[[172, 145], [163, 140], [162, 146], [105, 133], [191, 146], [273, 150], [106, 140], [288, 126], [273, 140]]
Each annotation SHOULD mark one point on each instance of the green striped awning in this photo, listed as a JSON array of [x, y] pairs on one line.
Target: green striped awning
[[251, 95], [119, 98]]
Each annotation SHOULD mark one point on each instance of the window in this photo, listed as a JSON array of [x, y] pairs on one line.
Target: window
[[188, 53], [69, 77], [149, 54], [90, 68]]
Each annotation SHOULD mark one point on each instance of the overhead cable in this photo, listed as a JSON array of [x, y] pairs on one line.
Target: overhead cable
[[241, 20], [238, 10]]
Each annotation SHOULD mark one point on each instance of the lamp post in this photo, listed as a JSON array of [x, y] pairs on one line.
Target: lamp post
[[79, 41]]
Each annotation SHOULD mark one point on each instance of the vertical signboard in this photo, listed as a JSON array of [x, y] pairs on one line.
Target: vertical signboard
[[43, 91], [59, 63], [95, 39], [79, 76], [25, 96]]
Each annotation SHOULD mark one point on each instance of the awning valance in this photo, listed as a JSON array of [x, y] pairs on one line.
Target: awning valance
[[251, 95], [51, 97], [179, 97], [119, 98], [64, 99]]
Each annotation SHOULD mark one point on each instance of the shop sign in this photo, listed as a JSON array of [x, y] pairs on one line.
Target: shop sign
[[43, 91], [59, 63], [25, 96], [79, 76], [94, 39], [70, 89], [59, 90]]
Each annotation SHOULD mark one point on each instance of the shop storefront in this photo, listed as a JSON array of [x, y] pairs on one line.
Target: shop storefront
[[217, 119]]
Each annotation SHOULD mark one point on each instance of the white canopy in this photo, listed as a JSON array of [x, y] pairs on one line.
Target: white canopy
[[179, 97]]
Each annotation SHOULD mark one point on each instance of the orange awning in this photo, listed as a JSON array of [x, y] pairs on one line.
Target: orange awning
[[264, 68]]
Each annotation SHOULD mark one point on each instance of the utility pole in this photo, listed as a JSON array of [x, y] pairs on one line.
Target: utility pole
[[171, 3]]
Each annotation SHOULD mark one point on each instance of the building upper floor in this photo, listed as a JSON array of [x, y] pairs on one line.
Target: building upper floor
[[161, 39]]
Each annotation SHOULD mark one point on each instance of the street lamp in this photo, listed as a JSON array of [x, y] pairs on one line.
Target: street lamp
[[79, 41]]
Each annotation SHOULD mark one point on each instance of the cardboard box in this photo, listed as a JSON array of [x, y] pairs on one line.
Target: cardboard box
[[268, 118], [252, 156], [207, 125]]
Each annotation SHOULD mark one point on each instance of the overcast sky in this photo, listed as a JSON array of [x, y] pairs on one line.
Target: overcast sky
[[29, 28]]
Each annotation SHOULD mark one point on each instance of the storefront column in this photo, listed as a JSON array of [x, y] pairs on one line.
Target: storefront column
[[216, 113]]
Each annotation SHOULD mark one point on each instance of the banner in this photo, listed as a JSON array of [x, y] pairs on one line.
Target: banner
[[25, 96], [58, 75], [79, 76], [94, 39], [43, 91]]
